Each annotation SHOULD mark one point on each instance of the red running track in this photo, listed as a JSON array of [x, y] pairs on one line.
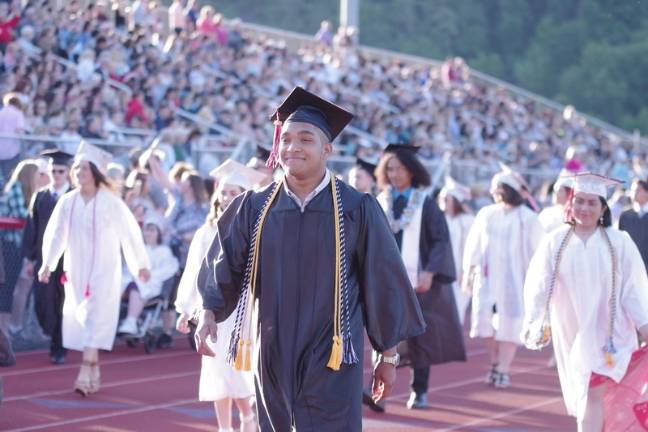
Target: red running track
[[158, 392]]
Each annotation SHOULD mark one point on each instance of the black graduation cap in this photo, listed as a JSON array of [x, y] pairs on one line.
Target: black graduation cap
[[57, 156], [367, 166], [303, 106], [393, 148]]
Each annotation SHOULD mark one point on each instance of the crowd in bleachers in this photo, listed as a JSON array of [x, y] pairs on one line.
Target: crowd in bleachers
[[188, 57]]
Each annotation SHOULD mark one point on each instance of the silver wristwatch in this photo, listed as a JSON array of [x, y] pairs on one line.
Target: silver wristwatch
[[392, 360]]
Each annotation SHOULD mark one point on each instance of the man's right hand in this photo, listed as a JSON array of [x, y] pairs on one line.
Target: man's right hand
[[206, 329], [44, 275]]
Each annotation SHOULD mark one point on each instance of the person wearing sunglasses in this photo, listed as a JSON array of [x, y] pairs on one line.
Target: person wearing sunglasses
[[48, 298]]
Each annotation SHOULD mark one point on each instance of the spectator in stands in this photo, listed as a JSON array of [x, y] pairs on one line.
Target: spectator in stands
[[9, 20], [177, 17], [324, 35], [12, 122]]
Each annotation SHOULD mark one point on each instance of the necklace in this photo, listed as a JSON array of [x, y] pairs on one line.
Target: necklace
[[402, 222]]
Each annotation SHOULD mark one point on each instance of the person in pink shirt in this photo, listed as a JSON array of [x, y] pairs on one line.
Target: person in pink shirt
[[12, 121]]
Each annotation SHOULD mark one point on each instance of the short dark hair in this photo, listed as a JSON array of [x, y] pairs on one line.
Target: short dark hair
[[643, 184], [420, 175], [510, 196]]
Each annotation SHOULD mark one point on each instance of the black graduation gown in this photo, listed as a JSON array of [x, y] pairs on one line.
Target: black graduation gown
[[637, 228], [48, 298], [443, 340], [295, 294]]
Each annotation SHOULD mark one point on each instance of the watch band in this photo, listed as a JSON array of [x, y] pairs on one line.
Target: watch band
[[393, 360]]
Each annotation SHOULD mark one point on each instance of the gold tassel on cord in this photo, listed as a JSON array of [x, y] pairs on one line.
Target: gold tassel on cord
[[609, 359], [238, 362], [247, 364], [336, 354]]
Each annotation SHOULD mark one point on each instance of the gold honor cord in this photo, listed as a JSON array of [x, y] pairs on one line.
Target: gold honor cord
[[243, 353]]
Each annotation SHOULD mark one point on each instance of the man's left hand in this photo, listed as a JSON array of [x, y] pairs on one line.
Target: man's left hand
[[424, 282], [383, 381]]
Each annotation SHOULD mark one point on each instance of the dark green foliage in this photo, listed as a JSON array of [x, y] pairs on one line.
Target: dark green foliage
[[590, 53]]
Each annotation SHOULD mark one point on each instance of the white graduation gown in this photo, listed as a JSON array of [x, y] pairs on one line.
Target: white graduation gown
[[163, 266], [499, 246], [218, 379], [108, 224], [580, 307], [552, 217], [459, 226]]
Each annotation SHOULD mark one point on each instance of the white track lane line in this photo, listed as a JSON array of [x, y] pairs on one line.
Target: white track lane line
[[504, 414], [107, 385], [108, 415], [102, 363]]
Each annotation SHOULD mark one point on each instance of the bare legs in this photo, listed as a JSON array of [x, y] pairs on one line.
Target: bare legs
[[223, 409], [593, 419]]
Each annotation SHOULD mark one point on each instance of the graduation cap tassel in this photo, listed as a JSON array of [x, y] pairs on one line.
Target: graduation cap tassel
[[273, 159]]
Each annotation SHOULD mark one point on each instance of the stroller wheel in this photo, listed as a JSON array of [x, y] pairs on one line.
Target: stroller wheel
[[150, 343], [132, 342]]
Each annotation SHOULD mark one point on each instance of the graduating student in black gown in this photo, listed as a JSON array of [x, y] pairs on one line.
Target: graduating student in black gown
[[48, 298], [635, 220], [427, 254], [308, 355]]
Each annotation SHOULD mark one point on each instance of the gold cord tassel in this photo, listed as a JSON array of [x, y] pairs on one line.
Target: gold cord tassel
[[238, 362], [247, 366], [336, 354], [609, 359]]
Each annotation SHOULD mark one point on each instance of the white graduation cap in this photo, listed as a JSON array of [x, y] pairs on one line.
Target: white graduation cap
[[235, 173], [565, 179], [153, 218], [508, 177], [456, 189], [88, 152], [594, 184]]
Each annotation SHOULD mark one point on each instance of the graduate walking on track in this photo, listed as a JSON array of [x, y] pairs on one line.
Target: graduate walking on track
[[587, 289], [48, 298], [422, 236], [305, 264], [90, 224]]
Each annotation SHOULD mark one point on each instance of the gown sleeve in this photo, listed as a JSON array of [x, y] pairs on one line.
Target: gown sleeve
[[56, 236], [188, 297], [30, 232], [536, 290], [472, 249], [221, 275], [391, 310], [130, 238], [634, 282], [437, 257]]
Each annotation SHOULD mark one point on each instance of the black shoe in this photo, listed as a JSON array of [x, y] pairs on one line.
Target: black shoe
[[418, 401], [368, 400], [164, 341], [57, 359], [7, 356]]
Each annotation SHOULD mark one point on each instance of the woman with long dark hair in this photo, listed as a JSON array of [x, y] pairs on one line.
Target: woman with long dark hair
[[219, 382], [90, 224], [422, 236], [498, 249], [587, 289]]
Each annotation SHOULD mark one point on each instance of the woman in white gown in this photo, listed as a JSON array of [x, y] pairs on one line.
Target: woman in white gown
[[90, 224], [577, 273], [499, 246], [452, 199], [219, 382]]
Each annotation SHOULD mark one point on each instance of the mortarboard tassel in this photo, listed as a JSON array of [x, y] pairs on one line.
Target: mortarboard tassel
[[273, 159], [86, 293]]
